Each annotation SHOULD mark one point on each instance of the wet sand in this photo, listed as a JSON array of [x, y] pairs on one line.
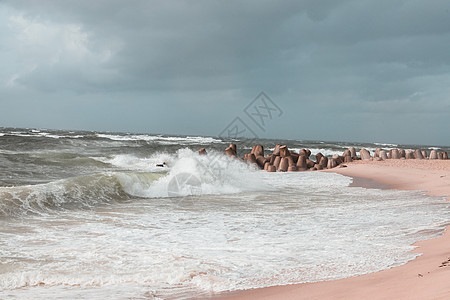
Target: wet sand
[[426, 277]]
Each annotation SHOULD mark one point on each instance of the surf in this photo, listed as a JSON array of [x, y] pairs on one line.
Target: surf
[[211, 174]]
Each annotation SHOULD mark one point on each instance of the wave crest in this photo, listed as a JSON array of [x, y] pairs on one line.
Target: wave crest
[[76, 192], [214, 173]]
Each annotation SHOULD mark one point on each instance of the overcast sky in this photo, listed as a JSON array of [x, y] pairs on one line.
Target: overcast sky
[[356, 70]]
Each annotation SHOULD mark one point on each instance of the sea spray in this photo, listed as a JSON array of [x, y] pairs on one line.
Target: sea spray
[[216, 174], [96, 189]]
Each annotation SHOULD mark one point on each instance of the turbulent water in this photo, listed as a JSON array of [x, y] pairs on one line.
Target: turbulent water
[[91, 215]]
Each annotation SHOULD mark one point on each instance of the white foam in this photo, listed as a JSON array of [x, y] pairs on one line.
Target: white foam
[[132, 162], [217, 173], [326, 152], [392, 146], [372, 150], [284, 228], [214, 172], [314, 151], [36, 133], [164, 140], [274, 228]]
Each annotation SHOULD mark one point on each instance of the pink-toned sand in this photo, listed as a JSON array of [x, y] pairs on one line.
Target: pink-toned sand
[[427, 277]]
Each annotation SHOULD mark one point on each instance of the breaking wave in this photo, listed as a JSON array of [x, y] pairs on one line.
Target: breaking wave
[[163, 140], [213, 174], [77, 192]]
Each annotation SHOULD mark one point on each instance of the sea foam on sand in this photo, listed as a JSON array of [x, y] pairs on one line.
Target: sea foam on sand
[[426, 277]]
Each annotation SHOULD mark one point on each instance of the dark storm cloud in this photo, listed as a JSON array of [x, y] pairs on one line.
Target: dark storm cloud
[[161, 45], [328, 63]]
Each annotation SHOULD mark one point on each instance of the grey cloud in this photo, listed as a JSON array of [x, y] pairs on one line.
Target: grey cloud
[[365, 60]]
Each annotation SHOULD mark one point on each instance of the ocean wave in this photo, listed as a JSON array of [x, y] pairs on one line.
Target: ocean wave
[[186, 174], [66, 159], [326, 152], [35, 133], [314, 151], [386, 145], [164, 140], [77, 192], [133, 162]]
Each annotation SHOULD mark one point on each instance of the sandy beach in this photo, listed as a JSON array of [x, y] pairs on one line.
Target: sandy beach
[[426, 277]]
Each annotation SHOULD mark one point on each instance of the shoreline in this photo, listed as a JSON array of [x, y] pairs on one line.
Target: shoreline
[[425, 277]]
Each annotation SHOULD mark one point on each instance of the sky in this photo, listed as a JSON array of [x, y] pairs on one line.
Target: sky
[[350, 70]]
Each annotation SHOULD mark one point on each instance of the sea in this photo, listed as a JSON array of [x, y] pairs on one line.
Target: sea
[[101, 215]]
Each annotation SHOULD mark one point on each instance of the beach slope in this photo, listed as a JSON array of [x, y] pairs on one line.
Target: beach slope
[[427, 277]]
